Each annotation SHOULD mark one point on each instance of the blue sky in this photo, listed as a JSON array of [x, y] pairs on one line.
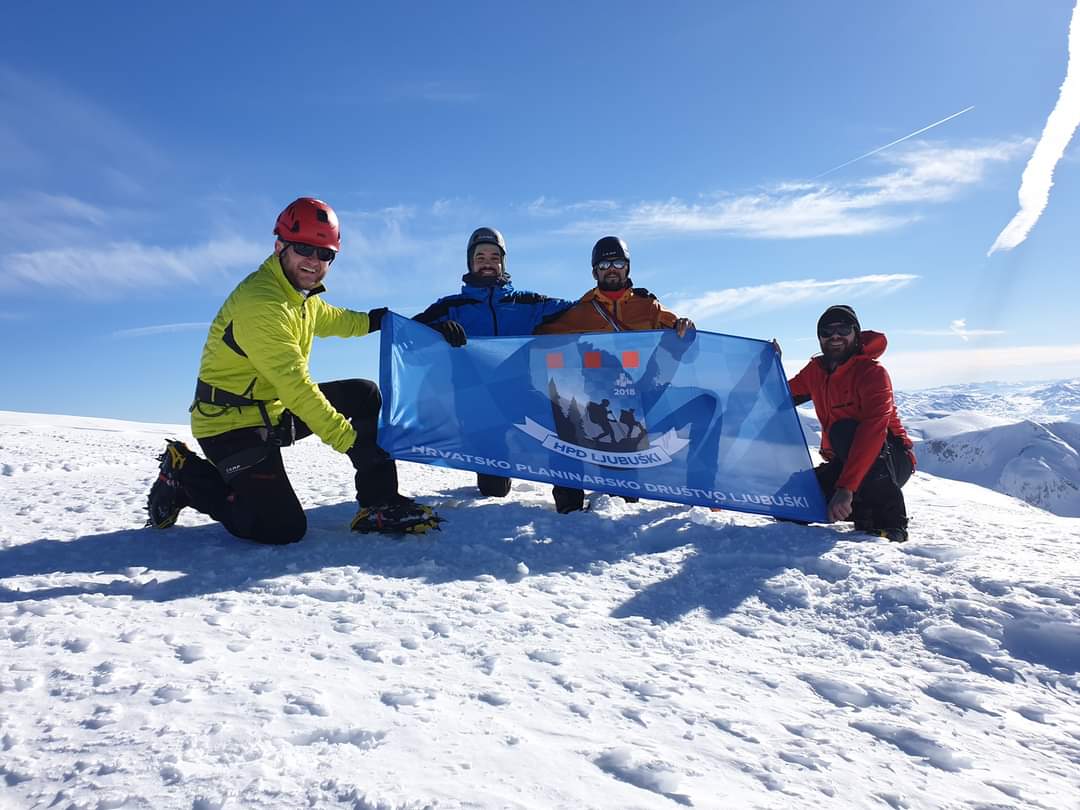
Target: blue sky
[[145, 151]]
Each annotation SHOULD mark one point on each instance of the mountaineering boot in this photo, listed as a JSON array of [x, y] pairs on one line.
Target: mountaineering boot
[[896, 535], [402, 516], [493, 486], [167, 497], [568, 500]]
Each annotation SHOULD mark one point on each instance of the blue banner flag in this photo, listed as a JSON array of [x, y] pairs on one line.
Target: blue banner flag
[[704, 420]]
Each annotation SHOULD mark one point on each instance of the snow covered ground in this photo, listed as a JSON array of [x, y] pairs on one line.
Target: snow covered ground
[[637, 656]]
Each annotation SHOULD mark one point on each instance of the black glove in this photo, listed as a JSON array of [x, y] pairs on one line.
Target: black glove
[[375, 317], [453, 331]]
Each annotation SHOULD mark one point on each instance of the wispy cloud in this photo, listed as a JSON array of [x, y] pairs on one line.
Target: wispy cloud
[[35, 219], [1038, 177], [543, 207], [116, 268], [1007, 363], [923, 173], [161, 329], [786, 293], [61, 132], [957, 328]]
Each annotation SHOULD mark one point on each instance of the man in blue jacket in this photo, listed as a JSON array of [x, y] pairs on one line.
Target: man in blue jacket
[[489, 306]]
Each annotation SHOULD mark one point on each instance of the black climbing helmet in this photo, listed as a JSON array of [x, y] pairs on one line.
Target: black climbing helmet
[[484, 236], [610, 247]]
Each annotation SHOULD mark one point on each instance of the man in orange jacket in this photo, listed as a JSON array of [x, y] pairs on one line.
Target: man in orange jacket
[[613, 305], [868, 455]]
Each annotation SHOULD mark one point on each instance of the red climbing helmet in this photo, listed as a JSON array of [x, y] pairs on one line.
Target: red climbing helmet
[[310, 221]]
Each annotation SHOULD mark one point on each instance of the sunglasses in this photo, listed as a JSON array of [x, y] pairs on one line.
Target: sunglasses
[[324, 254], [618, 264], [831, 329]]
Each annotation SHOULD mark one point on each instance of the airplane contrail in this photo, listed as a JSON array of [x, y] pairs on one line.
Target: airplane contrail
[[894, 143], [1038, 176]]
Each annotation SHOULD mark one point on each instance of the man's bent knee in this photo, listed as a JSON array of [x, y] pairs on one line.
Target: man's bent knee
[[269, 528], [280, 534]]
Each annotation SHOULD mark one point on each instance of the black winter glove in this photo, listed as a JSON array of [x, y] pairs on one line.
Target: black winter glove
[[453, 331], [375, 317]]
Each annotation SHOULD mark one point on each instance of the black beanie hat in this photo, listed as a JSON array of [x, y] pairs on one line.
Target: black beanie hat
[[839, 313]]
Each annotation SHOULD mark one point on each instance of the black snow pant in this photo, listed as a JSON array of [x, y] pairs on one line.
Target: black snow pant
[[878, 502], [244, 484], [494, 486], [569, 500]]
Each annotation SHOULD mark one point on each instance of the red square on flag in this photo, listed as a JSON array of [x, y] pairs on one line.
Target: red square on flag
[[554, 360], [630, 360], [592, 359]]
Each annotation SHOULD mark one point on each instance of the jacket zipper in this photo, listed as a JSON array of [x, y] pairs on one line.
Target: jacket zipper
[[491, 306]]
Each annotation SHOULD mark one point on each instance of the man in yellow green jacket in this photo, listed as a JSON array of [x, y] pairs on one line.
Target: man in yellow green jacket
[[255, 395]]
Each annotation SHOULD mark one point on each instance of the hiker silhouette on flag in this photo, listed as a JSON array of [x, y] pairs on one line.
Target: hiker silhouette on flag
[[600, 414], [629, 421]]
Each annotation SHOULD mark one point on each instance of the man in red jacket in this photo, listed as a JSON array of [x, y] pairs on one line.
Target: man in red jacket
[[868, 455]]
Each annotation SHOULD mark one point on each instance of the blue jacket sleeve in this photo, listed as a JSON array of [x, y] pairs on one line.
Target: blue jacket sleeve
[[437, 312]]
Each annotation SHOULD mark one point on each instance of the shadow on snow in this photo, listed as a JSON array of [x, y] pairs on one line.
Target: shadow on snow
[[726, 565]]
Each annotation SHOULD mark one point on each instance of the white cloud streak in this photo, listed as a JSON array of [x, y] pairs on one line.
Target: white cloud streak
[[957, 328], [47, 220], [543, 207], [119, 267], [1038, 177], [161, 329], [924, 173], [701, 306], [59, 130]]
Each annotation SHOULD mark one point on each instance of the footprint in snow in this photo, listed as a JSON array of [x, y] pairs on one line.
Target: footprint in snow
[[103, 673], [169, 693], [368, 652], [806, 760], [653, 776], [493, 698], [190, 653], [358, 737], [546, 657], [302, 704], [405, 698], [636, 715], [914, 744], [643, 690], [77, 645]]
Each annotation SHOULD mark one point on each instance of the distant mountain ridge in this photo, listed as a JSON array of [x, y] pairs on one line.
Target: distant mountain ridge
[[1039, 401], [1020, 439]]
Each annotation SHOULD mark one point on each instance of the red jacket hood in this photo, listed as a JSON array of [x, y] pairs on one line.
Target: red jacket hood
[[873, 344]]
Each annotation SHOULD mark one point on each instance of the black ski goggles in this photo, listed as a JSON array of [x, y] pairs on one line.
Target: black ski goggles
[[618, 264], [325, 254], [831, 329]]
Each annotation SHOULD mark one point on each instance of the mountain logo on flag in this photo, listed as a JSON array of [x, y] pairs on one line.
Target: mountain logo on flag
[[597, 412]]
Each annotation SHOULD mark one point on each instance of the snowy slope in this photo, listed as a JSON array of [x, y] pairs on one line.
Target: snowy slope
[[637, 656], [1026, 460], [1011, 438]]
